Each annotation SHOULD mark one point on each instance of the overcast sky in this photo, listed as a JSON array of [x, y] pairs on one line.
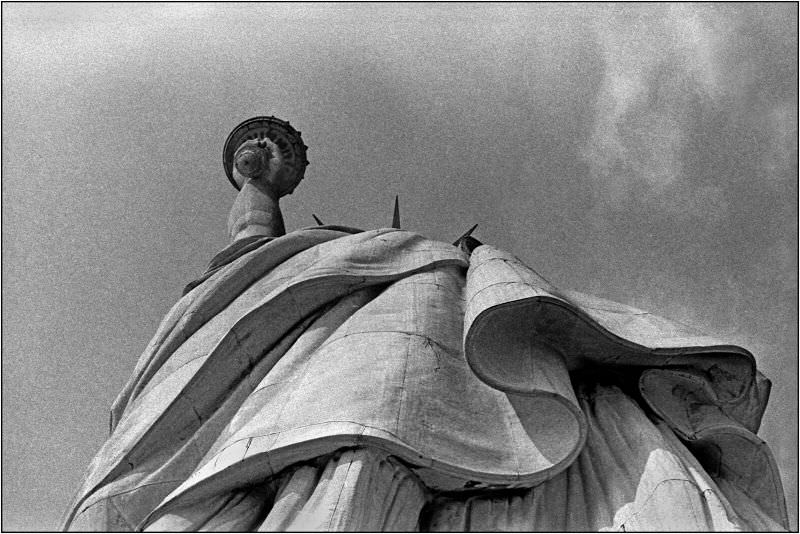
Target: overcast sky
[[642, 153]]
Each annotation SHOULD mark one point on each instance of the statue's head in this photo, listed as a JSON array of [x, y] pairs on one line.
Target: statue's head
[[268, 150]]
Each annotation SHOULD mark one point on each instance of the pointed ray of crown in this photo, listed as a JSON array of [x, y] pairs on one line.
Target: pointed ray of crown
[[396, 216], [465, 235], [288, 140], [466, 242]]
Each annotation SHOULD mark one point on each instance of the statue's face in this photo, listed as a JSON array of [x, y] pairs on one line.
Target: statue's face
[[258, 159]]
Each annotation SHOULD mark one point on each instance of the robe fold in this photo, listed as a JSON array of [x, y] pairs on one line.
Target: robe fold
[[393, 382]]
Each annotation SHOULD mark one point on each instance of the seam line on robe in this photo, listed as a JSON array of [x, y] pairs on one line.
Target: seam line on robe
[[161, 381], [92, 503], [230, 330], [192, 308], [341, 490], [333, 340], [406, 282], [403, 390], [300, 380], [685, 481], [295, 276], [279, 432], [355, 285]]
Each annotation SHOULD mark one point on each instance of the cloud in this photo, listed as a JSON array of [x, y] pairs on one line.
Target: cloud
[[661, 64]]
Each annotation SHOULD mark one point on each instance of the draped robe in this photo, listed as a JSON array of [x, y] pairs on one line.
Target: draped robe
[[334, 379]]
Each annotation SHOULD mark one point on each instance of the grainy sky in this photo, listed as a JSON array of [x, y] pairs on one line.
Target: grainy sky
[[642, 153]]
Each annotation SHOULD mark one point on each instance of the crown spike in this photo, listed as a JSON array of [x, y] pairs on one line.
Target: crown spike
[[319, 223], [396, 217], [465, 235]]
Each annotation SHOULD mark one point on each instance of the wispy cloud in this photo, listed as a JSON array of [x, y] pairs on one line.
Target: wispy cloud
[[659, 64]]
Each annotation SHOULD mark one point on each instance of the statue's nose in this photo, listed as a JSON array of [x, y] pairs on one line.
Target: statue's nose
[[251, 162]]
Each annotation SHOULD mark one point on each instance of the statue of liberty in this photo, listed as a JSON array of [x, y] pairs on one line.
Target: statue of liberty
[[331, 378]]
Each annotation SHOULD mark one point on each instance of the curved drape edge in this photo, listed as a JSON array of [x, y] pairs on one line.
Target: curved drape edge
[[725, 447], [175, 326], [429, 258], [580, 338], [546, 304], [536, 304]]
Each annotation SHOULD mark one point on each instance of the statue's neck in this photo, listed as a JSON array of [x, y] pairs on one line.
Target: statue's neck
[[255, 213]]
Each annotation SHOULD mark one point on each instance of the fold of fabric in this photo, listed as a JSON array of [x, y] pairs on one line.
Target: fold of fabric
[[727, 449], [460, 368], [631, 475], [353, 490], [357, 490], [586, 330], [215, 335], [142, 488], [708, 392], [247, 244], [238, 511], [391, 376], [197, 307]]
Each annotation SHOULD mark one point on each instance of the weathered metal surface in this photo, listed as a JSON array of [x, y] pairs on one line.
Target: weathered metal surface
[[461, 367]]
